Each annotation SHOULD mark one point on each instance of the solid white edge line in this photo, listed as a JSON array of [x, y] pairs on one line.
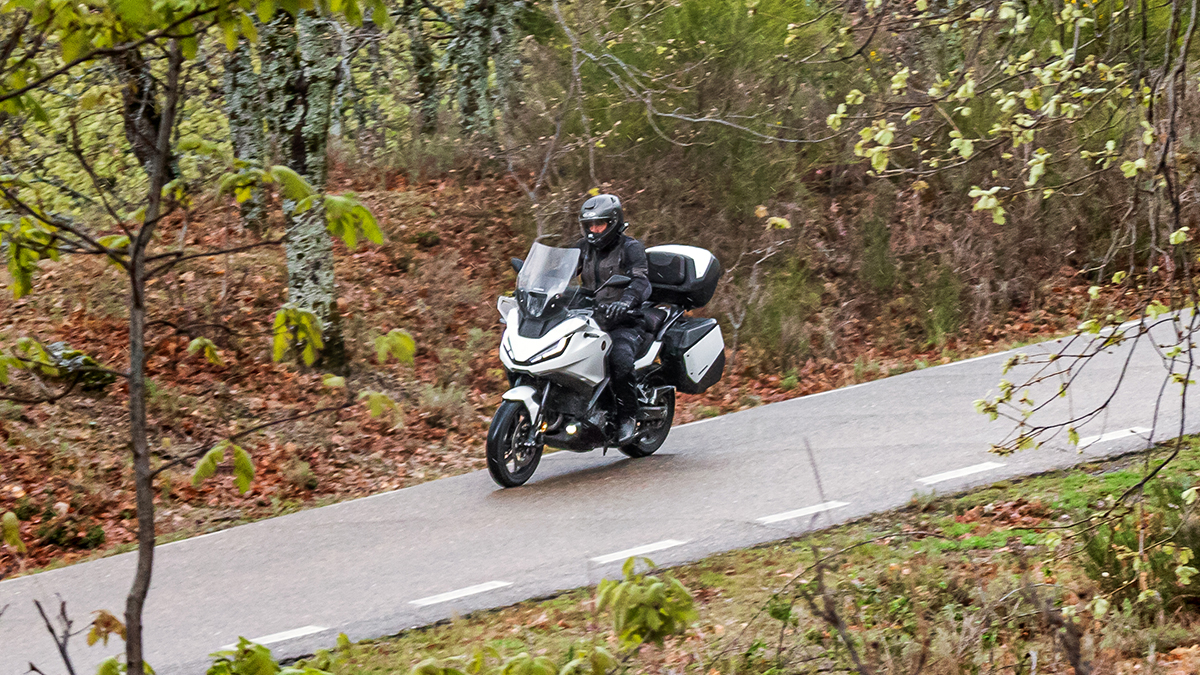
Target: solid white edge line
[[639, 550], [1113, 435], [800, 513], [460, 593], [280, 637], [959, 473]]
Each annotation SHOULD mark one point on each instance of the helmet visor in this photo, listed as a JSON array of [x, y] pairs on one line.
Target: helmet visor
[[594, 225]]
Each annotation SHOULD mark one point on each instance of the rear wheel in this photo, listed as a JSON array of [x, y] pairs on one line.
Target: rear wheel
[[655, 432], [511, 456]]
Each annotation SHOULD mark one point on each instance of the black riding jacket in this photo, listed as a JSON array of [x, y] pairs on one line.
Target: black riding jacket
[[625, 256]]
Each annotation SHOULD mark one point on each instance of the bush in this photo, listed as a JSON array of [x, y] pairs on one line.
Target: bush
[[444, 405], [1167, 534], [645, 607], [776, 329], [940, 302]]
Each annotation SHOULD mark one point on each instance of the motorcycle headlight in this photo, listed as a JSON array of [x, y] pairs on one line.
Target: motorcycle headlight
[[552, 351]]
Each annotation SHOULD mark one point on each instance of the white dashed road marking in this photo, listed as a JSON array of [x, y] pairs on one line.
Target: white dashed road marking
[[461, 593], [281, 637], [800, 513], [1113, 435], [959, 473], [640, 550]]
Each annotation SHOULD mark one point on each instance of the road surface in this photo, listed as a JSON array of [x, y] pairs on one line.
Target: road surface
[[379, 565]]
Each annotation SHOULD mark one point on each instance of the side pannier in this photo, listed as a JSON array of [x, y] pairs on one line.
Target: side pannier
[[693, 354], [682, 275]]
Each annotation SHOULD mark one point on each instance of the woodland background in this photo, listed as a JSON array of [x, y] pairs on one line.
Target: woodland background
[[711, 124], [468, 128]]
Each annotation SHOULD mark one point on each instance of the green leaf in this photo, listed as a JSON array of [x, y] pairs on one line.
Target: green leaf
[[334, 381], [281, 334], [12, 531], [109, 667], [1190, 495], [266, 10], [295, 187], [73, 44], [243, 469], [1072, 436], [1184, 574], [207, 466], [1179, 236], [397, 344]]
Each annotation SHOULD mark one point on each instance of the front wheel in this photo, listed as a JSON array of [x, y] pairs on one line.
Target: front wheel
[[511, 456], [656, 432]]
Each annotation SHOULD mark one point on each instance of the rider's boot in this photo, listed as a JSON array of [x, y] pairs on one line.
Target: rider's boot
[[627, 407]]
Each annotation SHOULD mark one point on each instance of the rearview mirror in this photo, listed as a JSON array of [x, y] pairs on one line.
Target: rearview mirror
[[616, 281], [517, 263]]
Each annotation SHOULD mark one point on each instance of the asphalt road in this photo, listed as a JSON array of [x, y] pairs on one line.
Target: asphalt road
[[379, 565]]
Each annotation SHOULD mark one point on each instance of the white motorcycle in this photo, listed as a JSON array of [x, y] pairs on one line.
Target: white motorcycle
[[553, 350]]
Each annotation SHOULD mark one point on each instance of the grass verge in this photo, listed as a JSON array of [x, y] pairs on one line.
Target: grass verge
[[1015, 577]]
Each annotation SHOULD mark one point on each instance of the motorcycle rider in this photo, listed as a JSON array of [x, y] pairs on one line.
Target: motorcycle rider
[[607, 251]]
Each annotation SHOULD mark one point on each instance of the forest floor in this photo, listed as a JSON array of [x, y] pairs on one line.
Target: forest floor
[[64, 467], [962, 584]]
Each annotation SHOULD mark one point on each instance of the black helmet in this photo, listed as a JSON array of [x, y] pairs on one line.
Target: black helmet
[[602, 209]]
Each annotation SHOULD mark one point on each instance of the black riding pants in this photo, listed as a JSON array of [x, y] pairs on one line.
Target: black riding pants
[[627, 342]]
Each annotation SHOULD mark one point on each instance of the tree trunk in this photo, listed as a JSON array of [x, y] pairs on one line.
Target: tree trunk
[[140, 109], [301, 78], [471, 52], [423, 64], [159, 170], [244, 111]]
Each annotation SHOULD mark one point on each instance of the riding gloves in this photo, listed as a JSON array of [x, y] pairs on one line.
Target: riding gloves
[[613, 311]]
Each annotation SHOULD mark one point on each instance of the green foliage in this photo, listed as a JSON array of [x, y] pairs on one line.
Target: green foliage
[[1148, 556], [397, 344], [775, 328], [11, 526], [26, 242], [878, 269], [940, 302], [249, 658], [299, 330], [379, 404], [57, 361], [346, 218], [645, 607], [243, 465], [203, 344]]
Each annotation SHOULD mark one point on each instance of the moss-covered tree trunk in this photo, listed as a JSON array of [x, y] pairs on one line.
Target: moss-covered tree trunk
[[244, 110], [300, 71], [424, 67]]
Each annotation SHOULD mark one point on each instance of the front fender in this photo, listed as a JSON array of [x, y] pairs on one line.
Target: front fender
[[525, 394]]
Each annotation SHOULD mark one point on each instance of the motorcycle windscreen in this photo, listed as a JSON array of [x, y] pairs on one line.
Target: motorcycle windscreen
[[547, 272]]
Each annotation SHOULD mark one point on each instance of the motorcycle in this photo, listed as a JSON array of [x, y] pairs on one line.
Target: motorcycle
[[554, 346]]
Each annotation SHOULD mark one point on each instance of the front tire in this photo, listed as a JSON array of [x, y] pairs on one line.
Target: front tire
[[652, 440], [511, 458]]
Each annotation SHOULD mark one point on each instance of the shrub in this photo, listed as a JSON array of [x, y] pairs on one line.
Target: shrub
[[444, 405], [645, 607], [941, 305], [1167, 535]]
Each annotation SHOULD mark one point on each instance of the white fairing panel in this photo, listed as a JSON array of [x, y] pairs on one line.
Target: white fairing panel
[[579, 348], [703, 354], [648, 360], [699, 256]]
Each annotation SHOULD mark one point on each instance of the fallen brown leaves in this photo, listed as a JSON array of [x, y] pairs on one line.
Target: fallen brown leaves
[[74, 452]]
